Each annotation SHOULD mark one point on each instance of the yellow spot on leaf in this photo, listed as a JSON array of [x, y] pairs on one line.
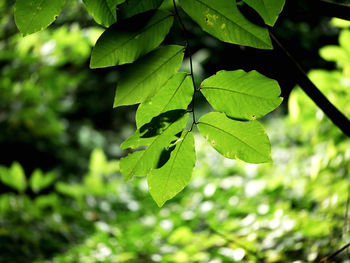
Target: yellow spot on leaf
[[210, 19], [137, 36], [213, 142], [223, 26]]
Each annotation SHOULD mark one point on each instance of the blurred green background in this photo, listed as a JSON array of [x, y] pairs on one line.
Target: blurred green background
[[63, 199]]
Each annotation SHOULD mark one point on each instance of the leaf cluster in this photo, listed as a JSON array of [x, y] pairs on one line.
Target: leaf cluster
[[163, 143]]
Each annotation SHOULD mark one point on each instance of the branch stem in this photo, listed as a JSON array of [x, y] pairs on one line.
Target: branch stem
[[331, 9], [337, 117], [188, 49]]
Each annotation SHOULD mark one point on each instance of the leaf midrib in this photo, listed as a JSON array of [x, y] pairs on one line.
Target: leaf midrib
[[173, 163], [144, 151], [239, 92], [233, 22], [232, 135], [113, 50], [151, 73]]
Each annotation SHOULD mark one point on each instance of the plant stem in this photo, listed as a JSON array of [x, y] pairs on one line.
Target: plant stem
[[332, 9], [337, 117], [326, 259], [188, 49]]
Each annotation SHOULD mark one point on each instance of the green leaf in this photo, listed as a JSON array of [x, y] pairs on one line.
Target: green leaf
[[118, 45], [267, 9], [104, 12], [222, 19], [175, 94], [164, 183], [157, 135], [134, 7], [242, 95], [34, 15], [141, 80], [14, 177], [246, 141], [38, 181]]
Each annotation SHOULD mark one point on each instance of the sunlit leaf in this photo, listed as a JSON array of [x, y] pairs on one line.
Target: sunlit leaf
[[164, 183], [268, 9], [246, 141], [176, 94], [103, 11], [222, 19], [157, 136], [141, 80], [119, 45], [242, 95], [33, 15]]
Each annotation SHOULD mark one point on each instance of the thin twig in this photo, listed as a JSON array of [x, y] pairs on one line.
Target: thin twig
[[332, 9], [333, 255], [230, 240], [188, 48], [338, 118]]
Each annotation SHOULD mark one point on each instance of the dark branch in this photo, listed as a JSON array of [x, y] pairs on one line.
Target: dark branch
[[326, 259], [313, 92], [331, 9]]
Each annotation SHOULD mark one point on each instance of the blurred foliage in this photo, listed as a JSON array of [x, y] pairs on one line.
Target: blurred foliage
[[290, 211], [293, 210]]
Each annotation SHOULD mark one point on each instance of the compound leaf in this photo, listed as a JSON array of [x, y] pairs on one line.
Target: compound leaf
[[246, 141], [242, 95], [34, 15], [222, 19], [118, 45], [157, 136], [104, 12], [164, 183], [146, 76], [175, 94], [267, 9]]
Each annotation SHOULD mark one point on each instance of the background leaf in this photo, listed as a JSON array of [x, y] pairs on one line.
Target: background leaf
[[118, 45], [267, 9], [242, 95], [175, 94], [164, 183], [145, 77], [246, 141], [34, 15], [222, 19], [38, 181], [104, 12], [14, 177], [157, 135]]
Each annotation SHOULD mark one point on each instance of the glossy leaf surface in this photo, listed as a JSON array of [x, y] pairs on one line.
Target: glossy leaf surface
[[103, 11], [267, 9], [34, 15], [175, 94], [222, 19], [246, 141], [164, 183], [242, 95], [157, 136], [146, 76], [118, 45], [134, 7]]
